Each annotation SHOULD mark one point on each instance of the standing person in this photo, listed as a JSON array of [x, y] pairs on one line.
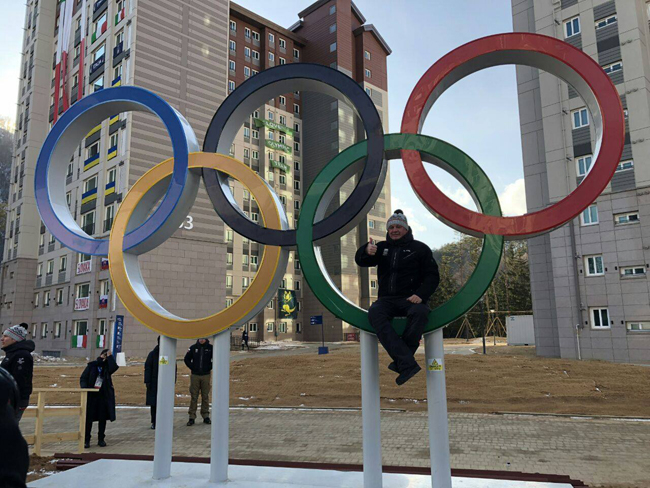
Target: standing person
[[408, 276], [19, 362], [244, 339], [199, 359], [151, 380], [14, 456], [101, 405]]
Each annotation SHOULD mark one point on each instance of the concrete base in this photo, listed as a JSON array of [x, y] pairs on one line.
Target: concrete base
[[107, 473]]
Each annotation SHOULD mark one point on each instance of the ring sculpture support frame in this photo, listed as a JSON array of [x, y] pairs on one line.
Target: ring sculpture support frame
[[175, 183]]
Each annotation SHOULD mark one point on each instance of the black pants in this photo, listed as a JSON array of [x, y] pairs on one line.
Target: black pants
[[22, 406], [400, 349], [153, 414], [102, 429], [245, 343]]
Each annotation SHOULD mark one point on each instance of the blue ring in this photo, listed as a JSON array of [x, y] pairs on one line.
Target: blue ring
[[105, 102], [271, 82]]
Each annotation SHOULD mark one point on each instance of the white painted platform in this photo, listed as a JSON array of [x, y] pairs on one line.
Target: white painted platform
[[111, 473]]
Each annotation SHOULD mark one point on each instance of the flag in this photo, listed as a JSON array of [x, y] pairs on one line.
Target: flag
[[82, 49], [65, 24], [101, 341], [80, 341], [287, 304]]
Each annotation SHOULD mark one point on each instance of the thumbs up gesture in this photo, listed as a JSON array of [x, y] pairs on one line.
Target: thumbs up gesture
[[371, 249]]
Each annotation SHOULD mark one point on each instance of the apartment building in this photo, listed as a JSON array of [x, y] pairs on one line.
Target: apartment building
[[193, 56], [590, 277]]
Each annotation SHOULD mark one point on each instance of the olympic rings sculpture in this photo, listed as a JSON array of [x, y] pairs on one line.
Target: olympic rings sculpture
[[175, 181]]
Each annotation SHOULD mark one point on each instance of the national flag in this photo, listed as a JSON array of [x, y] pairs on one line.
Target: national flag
[[82, 48], [65, 25], [101, 341], [80, 341]]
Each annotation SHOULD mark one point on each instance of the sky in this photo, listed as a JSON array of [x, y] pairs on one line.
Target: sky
[[479, 114]]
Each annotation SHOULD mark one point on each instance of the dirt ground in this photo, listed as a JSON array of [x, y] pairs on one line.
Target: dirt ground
[[40, 467], [507, 379]]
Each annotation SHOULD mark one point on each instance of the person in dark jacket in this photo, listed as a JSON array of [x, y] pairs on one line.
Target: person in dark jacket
[[408, 276], [199, 359], [14, 456], [151, 380], [19, 362], [101, 405], [244, 340]]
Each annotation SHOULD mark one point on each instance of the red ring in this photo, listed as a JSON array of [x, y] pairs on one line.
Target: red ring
[[613, 132]]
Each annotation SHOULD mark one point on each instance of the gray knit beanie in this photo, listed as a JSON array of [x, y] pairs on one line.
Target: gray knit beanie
[[16, 332], [398, 218]]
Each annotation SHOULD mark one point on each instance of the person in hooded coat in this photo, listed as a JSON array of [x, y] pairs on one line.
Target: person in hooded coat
[[101, 405], [14, 456], [151, 380], [19, 363]]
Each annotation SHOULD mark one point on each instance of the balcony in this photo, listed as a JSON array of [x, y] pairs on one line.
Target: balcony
[[89, 229], [108, 224]]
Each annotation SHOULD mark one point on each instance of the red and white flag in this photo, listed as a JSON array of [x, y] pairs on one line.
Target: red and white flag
[[65, 25]]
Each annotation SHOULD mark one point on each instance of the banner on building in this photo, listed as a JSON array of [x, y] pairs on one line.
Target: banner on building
[[104, 264], [287, 304], [273, 126], [80, 341], [103, 301]]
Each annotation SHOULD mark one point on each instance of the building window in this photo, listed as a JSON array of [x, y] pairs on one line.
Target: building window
[[282, 43], [614, 67], [626, 218], [366, 54], [244, 260], [625, 166], [368, 73], [599, 318], [233, 26], [296, 53], [271, 57], [283, 119], [271, 116], [332, 9], [59, 296], [50, 267], [101, 327], [43, 330], [247, 53], [229, 235], [333, 28], [244, 282], [605, 22], [247, 71], [589, 215], [271, 38], [99, 84], [296, 185], [228, 302], [572, 27], [46, 298], [296, 165], [256, 155], [637, 326], [252, 327], [371, 224], [63, 263], [256, 134], [229, 258], [228, 281], [296, 127], [269, 326], [80, 327], [233, 45], [88, 222], [333, 47], [90, 184], [594, 265], [231, 85], [247, 33], [36, 299], [57, 330], [584, 165], [373, 284], [111, 175], [83, 290], [283, 61], [92, 151], [283, 180], [231, 65], [579, 118], [256, 36], [296, 108], [254, 258], [283, 327], [369, 91], [298, 328], [255, 217], [633, 271]]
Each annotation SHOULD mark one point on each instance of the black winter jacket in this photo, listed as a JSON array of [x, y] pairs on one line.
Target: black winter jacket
[[405, 267], [199, 358], [151, 375], [13, 448], [20, 364], [101, 405]]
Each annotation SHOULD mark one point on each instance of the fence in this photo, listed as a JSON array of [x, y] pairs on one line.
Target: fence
[[40, 413]]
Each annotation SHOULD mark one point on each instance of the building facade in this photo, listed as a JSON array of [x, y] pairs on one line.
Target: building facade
[[589, 279], [191, 55]]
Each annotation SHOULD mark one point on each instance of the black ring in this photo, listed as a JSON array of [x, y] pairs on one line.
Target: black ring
[[253, 93]]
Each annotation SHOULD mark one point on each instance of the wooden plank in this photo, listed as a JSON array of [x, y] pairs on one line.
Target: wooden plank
[[82, 420], [60, 436], [63, 412], [38, 433], [65, 390], [29, 413], [29, 439]]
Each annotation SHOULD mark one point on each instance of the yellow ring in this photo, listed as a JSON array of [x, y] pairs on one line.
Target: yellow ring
[[169, 324]]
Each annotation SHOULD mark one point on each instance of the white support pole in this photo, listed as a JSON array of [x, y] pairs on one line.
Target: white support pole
[[370, 411], [437, 406], [220, 407], [162, 456]]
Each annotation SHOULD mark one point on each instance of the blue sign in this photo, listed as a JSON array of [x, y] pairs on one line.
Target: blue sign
[[118, 333], [316, 319]]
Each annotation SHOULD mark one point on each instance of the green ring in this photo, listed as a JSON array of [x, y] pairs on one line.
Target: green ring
[[434, 151]]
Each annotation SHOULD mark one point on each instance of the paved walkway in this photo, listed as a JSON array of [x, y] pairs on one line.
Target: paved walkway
[[596, 451]]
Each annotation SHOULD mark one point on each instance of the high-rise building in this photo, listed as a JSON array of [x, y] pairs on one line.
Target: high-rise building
[[192, 55], [589, 278]]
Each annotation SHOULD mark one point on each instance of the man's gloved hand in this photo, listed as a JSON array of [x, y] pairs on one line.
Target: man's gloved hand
[[414, 299], [371, 249]]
